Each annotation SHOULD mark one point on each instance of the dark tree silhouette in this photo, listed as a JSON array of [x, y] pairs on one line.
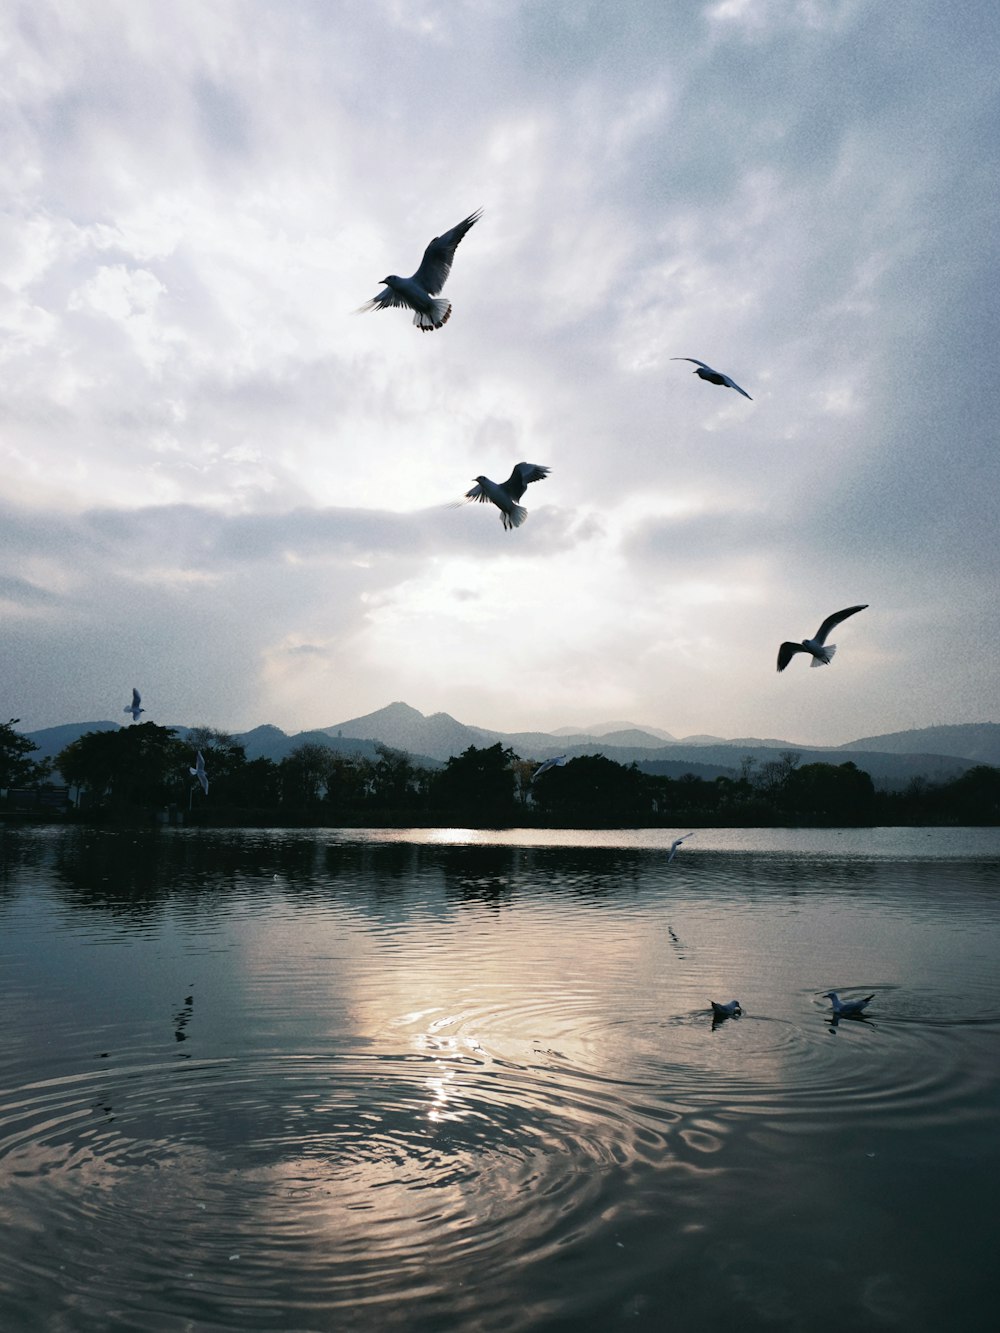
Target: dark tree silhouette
[[478, 784]]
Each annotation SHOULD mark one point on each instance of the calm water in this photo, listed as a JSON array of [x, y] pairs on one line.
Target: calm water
[[448, 1079]]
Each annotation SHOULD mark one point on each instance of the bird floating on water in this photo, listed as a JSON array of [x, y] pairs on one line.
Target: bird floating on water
[[821, 651], [729, 1010], [199, 772], [505, 494], [418, 292], [713, 376], [133, 707], [560, 761], [675, 844], [846, 1008]]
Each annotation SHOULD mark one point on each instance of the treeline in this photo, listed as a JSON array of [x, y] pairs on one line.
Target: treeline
[[137, 770]]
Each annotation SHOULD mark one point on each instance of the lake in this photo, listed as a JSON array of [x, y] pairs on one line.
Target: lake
[[462, 1079]]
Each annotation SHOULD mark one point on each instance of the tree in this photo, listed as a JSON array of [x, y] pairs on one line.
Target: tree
[[594, 790], [225, 759], [773, 777], [142, 765], [304, 774], [837, 794], [479, 784], [392, 776], [974, 798], [16, 769]]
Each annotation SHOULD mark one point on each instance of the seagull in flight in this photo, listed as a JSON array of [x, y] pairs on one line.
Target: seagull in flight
[[199, 772], [418, 293], [675, 844], [133, 707], [506, 494], [846, 1008], [713, 376], [559, 762], [730, 1010], [821, 651]]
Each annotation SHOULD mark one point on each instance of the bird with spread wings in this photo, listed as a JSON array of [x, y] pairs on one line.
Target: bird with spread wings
[[419, 292]]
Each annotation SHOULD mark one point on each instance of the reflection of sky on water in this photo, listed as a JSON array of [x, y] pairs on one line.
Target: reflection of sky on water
[[498, 1054]]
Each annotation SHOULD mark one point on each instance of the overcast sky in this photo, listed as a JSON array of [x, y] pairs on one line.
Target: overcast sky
[[221, 485]]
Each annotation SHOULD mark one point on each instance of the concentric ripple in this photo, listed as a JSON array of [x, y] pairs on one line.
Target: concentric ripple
[[349, 1172], [428, 1090]]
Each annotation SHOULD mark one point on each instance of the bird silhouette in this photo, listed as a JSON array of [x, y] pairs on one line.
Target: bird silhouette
[[675, 844], [418, 292], [505, 494], [199, 772], [560, 761], [821, 651], [713, 376]]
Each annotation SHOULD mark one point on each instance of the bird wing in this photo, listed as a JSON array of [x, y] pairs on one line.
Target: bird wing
[[524, 473], [477, 493], [387, 297], [786, 652], [733, 385], [694, 361], [136, 698], [440, 254], [831, 621]]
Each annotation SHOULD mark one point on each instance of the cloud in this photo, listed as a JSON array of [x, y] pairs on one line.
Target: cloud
[[211, 467]]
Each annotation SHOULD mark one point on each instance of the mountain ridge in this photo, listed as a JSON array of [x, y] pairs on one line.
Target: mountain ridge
[[892, 759]]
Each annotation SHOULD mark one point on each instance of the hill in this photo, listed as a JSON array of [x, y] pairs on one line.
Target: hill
[[894, 759]]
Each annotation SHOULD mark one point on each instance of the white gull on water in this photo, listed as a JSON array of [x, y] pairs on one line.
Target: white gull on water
[[847, 1008]]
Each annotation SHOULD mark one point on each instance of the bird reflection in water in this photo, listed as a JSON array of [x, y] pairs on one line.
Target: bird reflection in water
[[181, 1020]]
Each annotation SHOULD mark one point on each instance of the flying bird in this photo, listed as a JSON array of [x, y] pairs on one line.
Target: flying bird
[[506, 494], [821, 651], [559, 762], [713, 376], [846, 1008], [199, 772], [418, 293], [729, 1010], [133, 707], [675, 844]]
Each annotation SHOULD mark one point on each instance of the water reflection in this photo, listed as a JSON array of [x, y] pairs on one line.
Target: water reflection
[[460, 1083]]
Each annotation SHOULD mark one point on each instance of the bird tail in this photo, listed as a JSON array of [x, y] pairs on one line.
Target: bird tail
[[439, 314], [515, 518], [825, 660]]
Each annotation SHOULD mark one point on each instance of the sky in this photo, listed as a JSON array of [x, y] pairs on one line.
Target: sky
[[220, 484]]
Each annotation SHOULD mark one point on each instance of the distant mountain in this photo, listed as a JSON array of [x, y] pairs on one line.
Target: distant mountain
[[51, 740], [936, 753], [892, 771], [978, 741], [404, 728], [441, 736], [610, 728], [272, 743]]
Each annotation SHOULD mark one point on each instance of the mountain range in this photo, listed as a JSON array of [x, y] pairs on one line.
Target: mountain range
[[936, 753]]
